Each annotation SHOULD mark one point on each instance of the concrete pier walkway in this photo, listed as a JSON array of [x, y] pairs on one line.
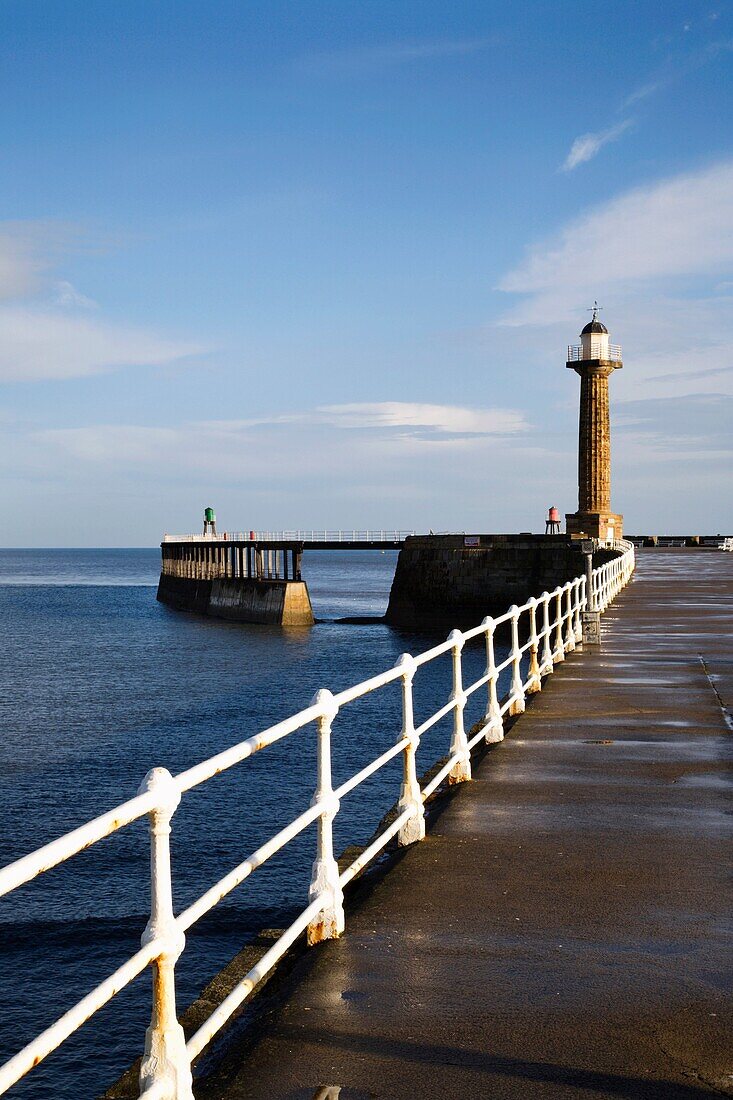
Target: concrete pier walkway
[[561, 931]]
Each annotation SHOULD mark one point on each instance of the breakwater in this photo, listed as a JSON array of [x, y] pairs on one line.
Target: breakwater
[[246, 581], [448, 580]]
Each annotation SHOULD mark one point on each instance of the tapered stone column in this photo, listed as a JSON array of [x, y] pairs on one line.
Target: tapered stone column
[[594, 360]]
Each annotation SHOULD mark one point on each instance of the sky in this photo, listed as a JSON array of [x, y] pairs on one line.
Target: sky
[[316, 264]]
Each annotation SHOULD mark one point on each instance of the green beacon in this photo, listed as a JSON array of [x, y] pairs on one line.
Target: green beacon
[[209, 522]]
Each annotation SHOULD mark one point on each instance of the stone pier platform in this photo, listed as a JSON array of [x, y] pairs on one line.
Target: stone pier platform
[[561, 931]]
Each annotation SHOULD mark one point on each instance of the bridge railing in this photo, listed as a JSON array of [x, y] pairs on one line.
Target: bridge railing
[[299, 535], [543, 630]]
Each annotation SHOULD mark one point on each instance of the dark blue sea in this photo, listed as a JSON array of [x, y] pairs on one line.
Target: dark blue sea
[[99, 683]]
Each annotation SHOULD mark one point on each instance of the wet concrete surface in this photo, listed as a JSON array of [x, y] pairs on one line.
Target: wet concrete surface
[[561, 932]]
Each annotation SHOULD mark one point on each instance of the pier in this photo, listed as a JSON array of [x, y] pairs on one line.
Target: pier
[[560, 932], [548, 917], [253, 577]]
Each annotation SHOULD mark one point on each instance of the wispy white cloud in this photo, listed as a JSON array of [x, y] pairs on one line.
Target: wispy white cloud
[[587, 146], [380, 463], [45, 328], [21, 258], [68, 296], [37, 343], [392, 419], [654, 257], [359, 59], [644, 91], [426, 420], [679, 226], [354, 429]]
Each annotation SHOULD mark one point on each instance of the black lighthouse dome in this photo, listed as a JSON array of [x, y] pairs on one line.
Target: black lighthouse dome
[[594, 326]]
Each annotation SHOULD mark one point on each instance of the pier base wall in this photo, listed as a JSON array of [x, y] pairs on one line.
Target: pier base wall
[[242, 599], [444, 581]]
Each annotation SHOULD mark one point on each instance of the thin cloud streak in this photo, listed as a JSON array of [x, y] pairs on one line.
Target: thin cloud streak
[[46, 331], [367, 58], [587, 146], [421, 421], [678, 226]]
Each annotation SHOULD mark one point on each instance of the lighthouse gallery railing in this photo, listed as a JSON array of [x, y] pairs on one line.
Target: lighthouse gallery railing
[[552, 625]]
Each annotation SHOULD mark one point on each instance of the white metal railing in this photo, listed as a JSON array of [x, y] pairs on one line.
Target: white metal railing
[[576, 353], [552, 627], [382, 535]]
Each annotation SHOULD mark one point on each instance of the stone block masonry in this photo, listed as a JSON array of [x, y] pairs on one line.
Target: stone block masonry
[[241, 599], [246, 581], [443, 581]]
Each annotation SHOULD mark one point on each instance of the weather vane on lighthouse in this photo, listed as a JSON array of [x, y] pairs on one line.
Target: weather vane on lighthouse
[[595, 360]]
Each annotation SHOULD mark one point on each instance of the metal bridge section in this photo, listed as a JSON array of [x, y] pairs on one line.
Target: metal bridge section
[[264, 555], [309, 539], [552, 625]]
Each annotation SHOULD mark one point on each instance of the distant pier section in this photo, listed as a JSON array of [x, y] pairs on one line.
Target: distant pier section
[[248, 582], [253, 577]]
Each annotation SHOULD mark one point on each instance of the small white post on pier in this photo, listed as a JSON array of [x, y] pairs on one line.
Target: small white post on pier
[[461, 770], [165, 1061], [330, 921], [410, 793]]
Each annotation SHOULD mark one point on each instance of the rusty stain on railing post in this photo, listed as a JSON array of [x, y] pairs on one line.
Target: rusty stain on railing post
[[410, 793], [461, 770], [165, 1061], [329, 923]]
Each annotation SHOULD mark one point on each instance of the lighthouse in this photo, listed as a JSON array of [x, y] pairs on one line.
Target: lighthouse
[[594, 359]]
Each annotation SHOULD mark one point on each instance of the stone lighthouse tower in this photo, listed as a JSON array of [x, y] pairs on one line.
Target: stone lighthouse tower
[[594, 360]]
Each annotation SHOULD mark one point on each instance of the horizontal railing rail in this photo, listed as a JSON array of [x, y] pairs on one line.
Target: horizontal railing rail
[[552, 627], [576, 352], [299, 535]]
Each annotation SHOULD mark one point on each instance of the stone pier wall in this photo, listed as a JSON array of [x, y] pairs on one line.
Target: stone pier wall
[[242, 599], [444, 581]]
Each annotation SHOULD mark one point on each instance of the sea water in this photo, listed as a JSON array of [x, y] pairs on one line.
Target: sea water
[[98, 684]]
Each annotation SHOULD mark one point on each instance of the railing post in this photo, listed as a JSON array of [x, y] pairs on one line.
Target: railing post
[[493, 719], [569, 628], [165, 1060], [534, 679], [410, 793], [517, 688], [330, 921], [461, 770], [558, 653], [577, 623], [547, 663]]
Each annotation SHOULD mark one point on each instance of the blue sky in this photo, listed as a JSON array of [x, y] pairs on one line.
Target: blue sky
[[317, 263]]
